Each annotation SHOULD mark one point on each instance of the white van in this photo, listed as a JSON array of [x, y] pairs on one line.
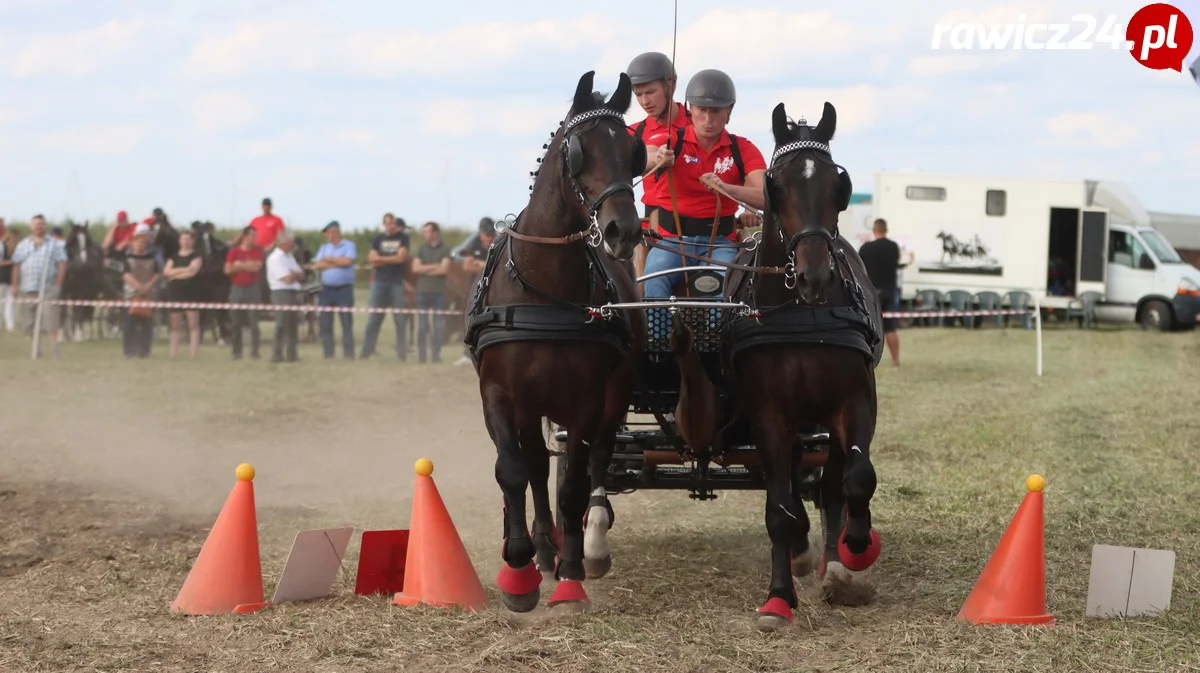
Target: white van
[[1054, 239]]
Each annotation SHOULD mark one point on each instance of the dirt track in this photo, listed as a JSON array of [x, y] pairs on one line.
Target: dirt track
[[112, 471], [342, 453]]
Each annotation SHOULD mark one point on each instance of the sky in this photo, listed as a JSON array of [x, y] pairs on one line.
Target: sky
[[438, 111]]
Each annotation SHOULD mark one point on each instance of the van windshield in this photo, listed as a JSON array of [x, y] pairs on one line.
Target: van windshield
[[1162, 249]]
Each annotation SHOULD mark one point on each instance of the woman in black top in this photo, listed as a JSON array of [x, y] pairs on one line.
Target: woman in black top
[[180, 273]]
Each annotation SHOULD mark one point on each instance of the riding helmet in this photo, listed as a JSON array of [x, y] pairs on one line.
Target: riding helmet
[[649, 67], [711, 88]]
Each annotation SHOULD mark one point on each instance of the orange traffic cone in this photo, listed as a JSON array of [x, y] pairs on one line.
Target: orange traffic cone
[[227, 575], [1012, 587], [437, 569]]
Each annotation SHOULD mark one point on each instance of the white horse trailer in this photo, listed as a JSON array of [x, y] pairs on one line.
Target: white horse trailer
[[1055, 239]]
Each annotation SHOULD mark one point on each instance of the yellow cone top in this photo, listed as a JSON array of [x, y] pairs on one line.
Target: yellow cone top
[[424, 467], [245, 472], [1035, 483]]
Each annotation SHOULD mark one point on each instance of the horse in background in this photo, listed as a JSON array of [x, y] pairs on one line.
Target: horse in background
[[213, 283], [166, 241], [85, 280]]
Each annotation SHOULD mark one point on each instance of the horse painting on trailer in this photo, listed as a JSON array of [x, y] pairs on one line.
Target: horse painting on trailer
[[543, 351]]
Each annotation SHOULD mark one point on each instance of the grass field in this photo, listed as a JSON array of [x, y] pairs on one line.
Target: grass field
[[113, 471]]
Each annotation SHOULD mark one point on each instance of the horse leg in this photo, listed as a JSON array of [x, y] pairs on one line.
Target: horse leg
[[569, 596], [803, 560], [775, 441], [533, 446], [518, 579], [851, 545], [599, 517]]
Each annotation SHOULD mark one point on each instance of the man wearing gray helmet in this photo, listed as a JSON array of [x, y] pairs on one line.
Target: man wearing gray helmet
[[710, 152], [653, 77]]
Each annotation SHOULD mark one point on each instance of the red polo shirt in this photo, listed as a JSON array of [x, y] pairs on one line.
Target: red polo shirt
[[654, 190], [268, 227], [693, 198], [240, 254], [122, 233]]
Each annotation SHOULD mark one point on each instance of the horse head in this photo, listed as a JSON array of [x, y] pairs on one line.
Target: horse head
[[805, 191], [80, 246], [202, 231], [598, 160]]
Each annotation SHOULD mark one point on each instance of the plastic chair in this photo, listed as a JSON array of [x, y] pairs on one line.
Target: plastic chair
[[1018, 300], [961, 300], [928, 301], [1083, 309], [988, 301]]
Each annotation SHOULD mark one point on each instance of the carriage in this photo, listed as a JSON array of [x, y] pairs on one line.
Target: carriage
[[650, 453], [761, 378]]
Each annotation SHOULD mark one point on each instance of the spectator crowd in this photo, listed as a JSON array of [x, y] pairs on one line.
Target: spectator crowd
[[264, 263]]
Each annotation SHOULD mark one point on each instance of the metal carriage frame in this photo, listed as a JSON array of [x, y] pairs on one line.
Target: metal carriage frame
[[650, 454]]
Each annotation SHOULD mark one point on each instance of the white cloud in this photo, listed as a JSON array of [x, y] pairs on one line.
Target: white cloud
[[94, 139], [507, 117], [219, 111], [1095, 130], [999, 15], [753, 45], [858, 107], [349, 110], [111, 45], [314, 46], [942, 64], [322, 140]]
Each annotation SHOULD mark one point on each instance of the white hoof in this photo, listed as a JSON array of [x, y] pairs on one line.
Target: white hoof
[[841, 586], [596, 550], [803, 564], [597, 553]]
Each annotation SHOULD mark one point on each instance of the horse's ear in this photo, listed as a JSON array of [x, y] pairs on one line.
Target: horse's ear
[[779, 125], [845, 190], [828, 124], [583, 93], [623, 96]]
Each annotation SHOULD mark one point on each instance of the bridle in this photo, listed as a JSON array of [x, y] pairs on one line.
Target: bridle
[[571, 151], [784, 155]]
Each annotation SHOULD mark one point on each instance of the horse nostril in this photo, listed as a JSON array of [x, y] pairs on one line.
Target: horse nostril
[[612, 231]]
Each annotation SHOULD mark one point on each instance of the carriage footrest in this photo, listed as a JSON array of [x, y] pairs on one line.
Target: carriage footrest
[[684, 477]]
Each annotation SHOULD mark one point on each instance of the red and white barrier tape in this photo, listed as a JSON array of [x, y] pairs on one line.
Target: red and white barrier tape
[[954, 314], [198, 306]]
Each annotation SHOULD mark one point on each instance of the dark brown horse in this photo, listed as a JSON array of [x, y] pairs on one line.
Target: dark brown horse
[[212, 282], [542, 350], [86, 279], [806, 355]]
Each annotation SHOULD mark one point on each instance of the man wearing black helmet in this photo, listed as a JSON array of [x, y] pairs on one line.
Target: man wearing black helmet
[[653, 77], [706, 151]]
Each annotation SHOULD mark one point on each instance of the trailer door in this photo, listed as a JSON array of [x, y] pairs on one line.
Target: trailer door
[[1091, 264]]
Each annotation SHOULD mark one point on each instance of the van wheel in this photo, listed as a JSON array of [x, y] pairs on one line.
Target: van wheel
[[1156, 315]]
